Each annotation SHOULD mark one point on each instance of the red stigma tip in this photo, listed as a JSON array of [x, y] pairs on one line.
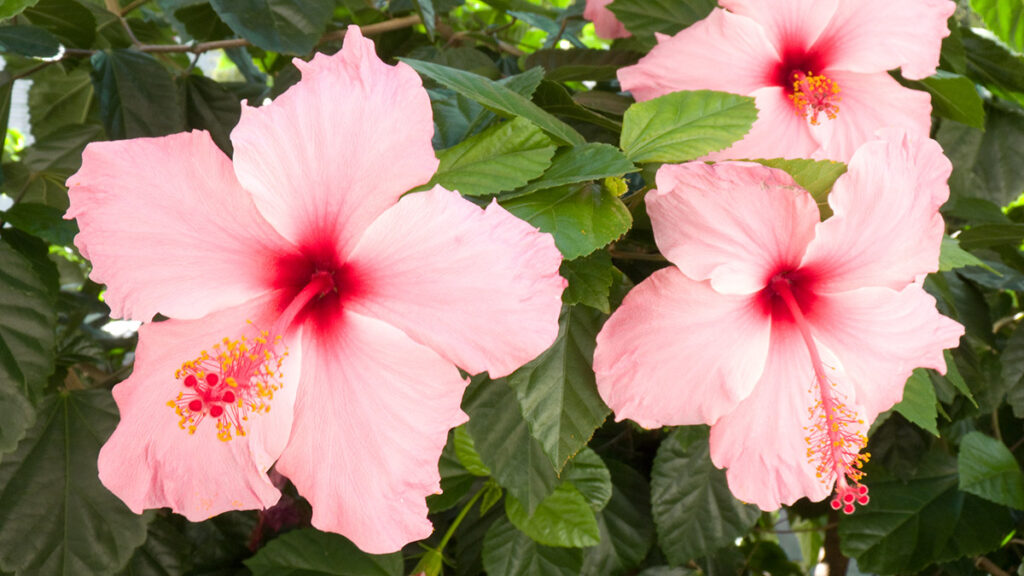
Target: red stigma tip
[[212, 379], [228, 397], [195, 405], [216, 411], [190, 381]]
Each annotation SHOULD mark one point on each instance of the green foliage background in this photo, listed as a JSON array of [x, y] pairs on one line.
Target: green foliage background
[[540, 481]]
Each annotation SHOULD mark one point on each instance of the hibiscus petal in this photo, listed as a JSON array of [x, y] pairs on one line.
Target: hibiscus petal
[[151, 462], [793, 24], [886, 229], [778, 132], [723, 52], [763, 443], [481, 287], [677, 352], [168, 228], [870, 102], [881, 335], [606, 25], [879, 35], [735, 223], [372, 417], [338, 148]]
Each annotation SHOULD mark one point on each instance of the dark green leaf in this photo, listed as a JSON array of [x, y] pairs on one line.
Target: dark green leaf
[[989, 235], [291, 26], [1005, 18], [427, 16], [580, 164], [590, 280], [682, 126], [28, 41], [954, 97], [557, 391], [911, 524], [626, 527], [71, 22], [919, 402], [581, 217], [578, 65], [456, 482], [309, 552], [502, 438], [201, 21], [645, 17], [49, 488], [43, 221], [27, 330], [502, 158], [554, 98], [563, 518], [590, 476], [994, 66], [137, 95], [166, 552], [13, 7], [953, 377], [208, 106], [47, 164], [58, 99], [497, 98], [509, 552], [694, 511], [988, 469], [467, 455], [815, 176], [952, 256]]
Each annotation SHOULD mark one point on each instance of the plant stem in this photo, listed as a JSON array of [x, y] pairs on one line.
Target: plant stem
[[458, 519]]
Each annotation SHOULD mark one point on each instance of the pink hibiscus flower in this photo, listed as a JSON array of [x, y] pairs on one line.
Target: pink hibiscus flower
[[316, 319], [787, 335], [606, 25], [817, 69]]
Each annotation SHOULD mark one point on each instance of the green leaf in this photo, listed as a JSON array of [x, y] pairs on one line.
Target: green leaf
[[47, 164], [509, 552], [14, 7], [197, 20], [590, 476], [694, 511], [27, 332], [309, 552], [952, 256], [555, 98], [29, 41], [578, 65], [989, 235], [990, 64], [590, 161], [988, 469], [953, 377], [456, 481], [208, 106], [290, 26], [137, 95], [1005, 18], [43, 221], [71, 22], [581, 217], [57, 99], [815, 176], [49, 488], [954, 97], [683, 126], [166, 552], [502, 158], [625, 524], [496, 97], [919, 402], [590, 280], [925, 520], [564, 518], [557, 391], [502, 438], [467, 455], [427, 16], [645, 17]]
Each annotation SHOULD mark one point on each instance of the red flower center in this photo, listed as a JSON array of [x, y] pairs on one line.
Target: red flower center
[[800, 74], [317, 266]]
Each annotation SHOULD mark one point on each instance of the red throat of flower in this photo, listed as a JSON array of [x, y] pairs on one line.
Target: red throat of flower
[[834, 440], [814, 95], [237, 378]]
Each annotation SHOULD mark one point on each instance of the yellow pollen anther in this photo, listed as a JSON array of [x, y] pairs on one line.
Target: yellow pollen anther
[[813, 95], [238, 378]]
